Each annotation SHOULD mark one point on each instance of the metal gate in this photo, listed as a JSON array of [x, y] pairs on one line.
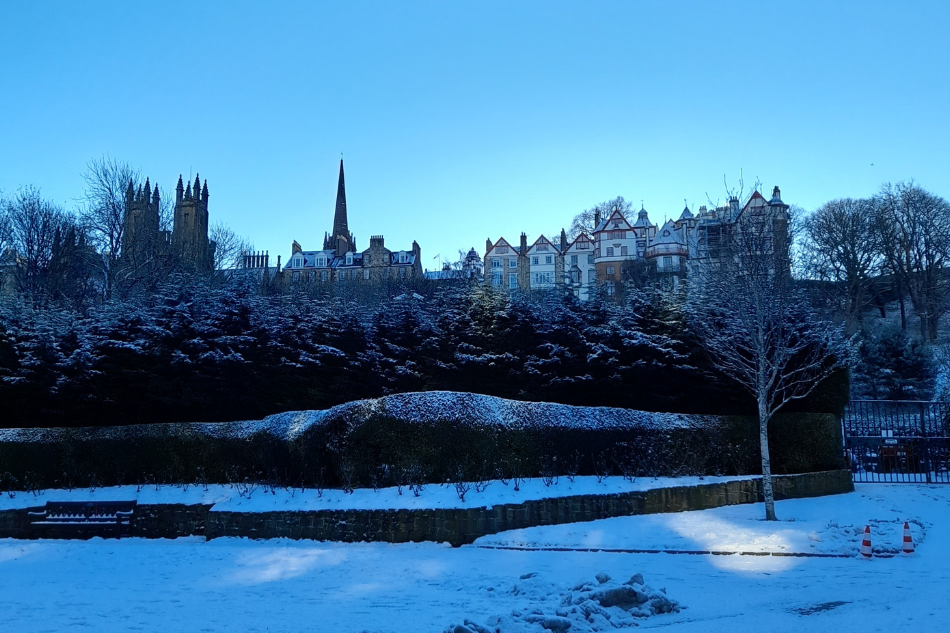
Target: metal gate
[[898, 441]]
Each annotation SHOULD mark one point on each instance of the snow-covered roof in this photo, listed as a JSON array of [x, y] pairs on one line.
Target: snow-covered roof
[[686, 214], [667, 235], [643, 219], [616, 217]]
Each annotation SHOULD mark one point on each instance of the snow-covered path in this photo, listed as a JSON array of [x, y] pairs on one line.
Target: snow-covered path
[[241, 585]]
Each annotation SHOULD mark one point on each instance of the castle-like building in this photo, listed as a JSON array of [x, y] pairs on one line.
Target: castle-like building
[[186, 245], [339, 260], [618, 251]]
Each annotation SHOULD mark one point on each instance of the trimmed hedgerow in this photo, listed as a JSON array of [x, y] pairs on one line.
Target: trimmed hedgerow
[[418, 438]]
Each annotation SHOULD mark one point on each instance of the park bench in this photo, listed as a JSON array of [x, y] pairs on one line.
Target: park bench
[[82, 519]]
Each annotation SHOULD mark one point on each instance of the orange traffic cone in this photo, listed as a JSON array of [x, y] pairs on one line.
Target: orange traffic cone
[[866, 543], [908, 547]]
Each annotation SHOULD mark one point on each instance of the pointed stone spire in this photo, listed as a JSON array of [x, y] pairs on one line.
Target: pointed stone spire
[[179, 189], [148, 190], [340, 226], [197, 188], [188, 192], [204, 191], [130, 193], [155, 198]]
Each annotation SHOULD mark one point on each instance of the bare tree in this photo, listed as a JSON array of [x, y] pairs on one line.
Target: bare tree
[[914, 232], [841, 248], [229, 246], [755, 327], [34, 227], [583, 222], [103, 213]]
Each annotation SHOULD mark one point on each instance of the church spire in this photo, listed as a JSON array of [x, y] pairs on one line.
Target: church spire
[[340, 226]]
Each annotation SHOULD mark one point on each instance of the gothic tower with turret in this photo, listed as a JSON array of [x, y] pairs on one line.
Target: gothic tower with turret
[[140, 236], [190, 242]]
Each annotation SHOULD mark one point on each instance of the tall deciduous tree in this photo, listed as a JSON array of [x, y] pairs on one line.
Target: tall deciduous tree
[[755, 327], [103, 213], [34, 227], [583, 222], [841, 248], [914, 229]]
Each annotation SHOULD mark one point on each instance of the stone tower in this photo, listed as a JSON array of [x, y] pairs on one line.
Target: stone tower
[[190, 230], [140, 237]]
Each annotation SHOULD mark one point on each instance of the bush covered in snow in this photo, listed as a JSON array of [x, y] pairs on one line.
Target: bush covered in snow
[[416, 438], [196, 352]]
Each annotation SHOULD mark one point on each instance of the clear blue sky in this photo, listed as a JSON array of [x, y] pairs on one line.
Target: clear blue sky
[[466, 120]]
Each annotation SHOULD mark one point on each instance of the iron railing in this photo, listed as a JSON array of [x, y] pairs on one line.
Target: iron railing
[[898, 441]]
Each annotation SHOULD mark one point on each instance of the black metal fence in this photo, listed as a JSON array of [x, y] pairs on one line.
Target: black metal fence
[[898, 441]]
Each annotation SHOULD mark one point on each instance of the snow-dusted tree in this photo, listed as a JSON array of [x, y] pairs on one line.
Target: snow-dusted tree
[[914, 232], [755, 326], [841, 248]]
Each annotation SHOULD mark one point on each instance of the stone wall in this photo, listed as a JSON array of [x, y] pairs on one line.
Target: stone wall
[[456, 526]]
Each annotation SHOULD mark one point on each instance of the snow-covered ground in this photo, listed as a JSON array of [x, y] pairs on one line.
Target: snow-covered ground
[[242, 585], [256, 498]]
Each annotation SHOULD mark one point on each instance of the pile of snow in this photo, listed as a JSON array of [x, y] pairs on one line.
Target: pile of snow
[[601, 604]]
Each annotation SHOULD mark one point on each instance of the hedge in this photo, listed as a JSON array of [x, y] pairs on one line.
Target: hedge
[[427, 437]]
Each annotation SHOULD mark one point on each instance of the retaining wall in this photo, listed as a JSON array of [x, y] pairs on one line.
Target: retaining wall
[[457, 526]]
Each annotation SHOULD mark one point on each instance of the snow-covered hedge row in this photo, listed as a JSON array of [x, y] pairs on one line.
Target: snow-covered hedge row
[[414, 438], [214, 354]]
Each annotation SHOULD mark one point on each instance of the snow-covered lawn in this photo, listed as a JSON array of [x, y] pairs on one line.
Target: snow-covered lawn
[[256, 498], [240, 585]]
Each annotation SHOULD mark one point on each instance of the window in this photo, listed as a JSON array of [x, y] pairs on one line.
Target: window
[[590, 259], [583, 245], [402, 258], [323, 275], [512, 263], [617, 235], [496, 279], [402, 272], [501, 250], [534, 261], [542, 247], [366, 274], [616, 223], [512, 280], [623, 250], [573, 259], [547, 259], [575, 276], [538, 279], [610, 270], [667, 262], [610, 290], [296, 276], [610, 251], [321, 262], [495, 262], [313, 275], [591, 276], [349, 259]]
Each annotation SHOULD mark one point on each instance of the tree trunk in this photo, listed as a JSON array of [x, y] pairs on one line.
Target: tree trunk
[[900, 299], [766, 460]]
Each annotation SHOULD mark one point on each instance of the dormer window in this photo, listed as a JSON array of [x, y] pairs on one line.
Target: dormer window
[[349, 259]]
